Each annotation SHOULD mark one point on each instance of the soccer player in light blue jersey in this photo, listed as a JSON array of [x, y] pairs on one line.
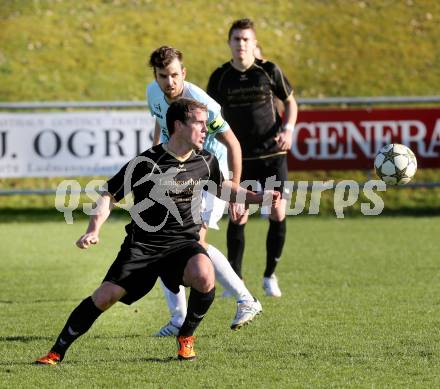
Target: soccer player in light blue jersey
[[217, 126], [170, 85]]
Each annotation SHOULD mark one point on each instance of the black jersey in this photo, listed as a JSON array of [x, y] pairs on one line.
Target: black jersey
[[247, 100], [164, 213]]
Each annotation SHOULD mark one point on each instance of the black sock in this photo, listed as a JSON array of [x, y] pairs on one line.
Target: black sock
[[276, 237], [235, 242], [198, 305], [79, 321]]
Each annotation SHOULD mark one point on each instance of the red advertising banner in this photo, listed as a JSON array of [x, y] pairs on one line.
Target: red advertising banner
[[349, 139]]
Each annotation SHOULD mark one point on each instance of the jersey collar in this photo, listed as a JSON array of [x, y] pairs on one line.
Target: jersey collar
[[178, 157]]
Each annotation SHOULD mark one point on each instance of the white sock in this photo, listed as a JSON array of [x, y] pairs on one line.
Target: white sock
[[226, 275], [176, 304]]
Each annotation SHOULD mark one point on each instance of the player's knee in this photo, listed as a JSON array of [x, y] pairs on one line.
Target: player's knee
[[278, 214], [205, 278], [238, 222], [277, 218], [102, 302], [200, 275], [204, 284], [107, 295]]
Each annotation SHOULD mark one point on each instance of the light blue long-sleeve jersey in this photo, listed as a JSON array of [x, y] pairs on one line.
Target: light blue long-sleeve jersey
[[216, 124]]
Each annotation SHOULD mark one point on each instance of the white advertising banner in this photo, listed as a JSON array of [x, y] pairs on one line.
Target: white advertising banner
[[59, 144]]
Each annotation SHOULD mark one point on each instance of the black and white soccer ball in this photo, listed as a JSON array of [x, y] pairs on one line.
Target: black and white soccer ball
[[395, 164]]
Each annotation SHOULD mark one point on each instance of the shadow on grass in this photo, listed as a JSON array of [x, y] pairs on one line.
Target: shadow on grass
[[125, 360], [105, 361], [122, 360], [40, 301], [25, 215], [24, 339], [32, 338], [407, 211], [158, 360]]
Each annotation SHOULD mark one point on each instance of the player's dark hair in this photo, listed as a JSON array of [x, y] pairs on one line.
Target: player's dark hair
[[241, 24], [163, 56], [180, 110]]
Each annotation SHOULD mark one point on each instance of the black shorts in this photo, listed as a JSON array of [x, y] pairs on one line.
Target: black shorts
[[137, 267], [261, 169]]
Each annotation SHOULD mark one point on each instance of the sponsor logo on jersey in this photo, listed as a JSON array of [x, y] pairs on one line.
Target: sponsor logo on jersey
[[181, 168]]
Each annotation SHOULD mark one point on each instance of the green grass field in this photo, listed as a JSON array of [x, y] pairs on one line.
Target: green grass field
[[360, 309]]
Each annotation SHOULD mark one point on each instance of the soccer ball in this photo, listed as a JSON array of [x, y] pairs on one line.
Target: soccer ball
[[395, 164]]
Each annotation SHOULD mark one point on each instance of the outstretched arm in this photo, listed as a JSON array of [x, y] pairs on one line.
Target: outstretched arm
[[104, 205], [230, 191]]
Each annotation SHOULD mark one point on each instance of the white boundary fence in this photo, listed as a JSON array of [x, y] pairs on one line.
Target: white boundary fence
[[330, 101], [337, 101]]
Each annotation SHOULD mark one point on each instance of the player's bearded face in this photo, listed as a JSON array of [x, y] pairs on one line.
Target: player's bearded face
[[170, 79], [242, 44]]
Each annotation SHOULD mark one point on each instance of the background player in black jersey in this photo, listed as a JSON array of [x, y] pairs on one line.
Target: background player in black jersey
[[245, 87], [259, 54], [162, 237]]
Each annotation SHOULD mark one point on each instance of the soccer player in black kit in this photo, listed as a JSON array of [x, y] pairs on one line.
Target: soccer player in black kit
[[245, 87], [162, 237]]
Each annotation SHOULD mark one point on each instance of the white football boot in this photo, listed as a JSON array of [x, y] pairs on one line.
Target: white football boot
[[246, 312], [270, 286]]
